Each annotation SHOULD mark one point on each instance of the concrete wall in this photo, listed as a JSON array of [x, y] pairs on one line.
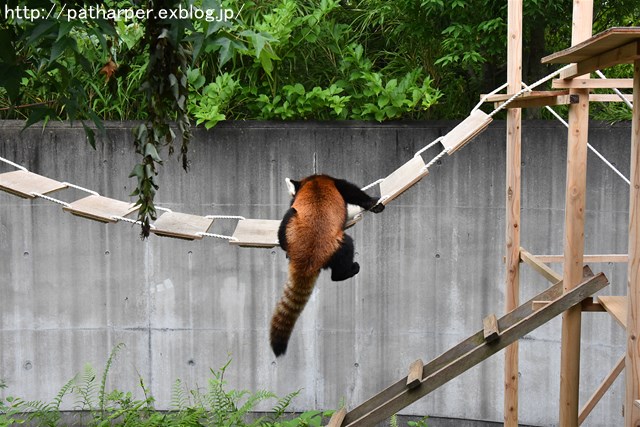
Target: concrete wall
[[431, 267]]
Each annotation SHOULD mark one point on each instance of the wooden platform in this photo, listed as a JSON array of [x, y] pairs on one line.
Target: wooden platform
[[617, 307], [617, 45]]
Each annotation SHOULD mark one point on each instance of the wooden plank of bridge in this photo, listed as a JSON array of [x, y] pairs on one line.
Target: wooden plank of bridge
[[471, 352], [24, 184]]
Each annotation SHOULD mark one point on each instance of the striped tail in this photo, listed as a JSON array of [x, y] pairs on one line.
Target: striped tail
[[297, 291]]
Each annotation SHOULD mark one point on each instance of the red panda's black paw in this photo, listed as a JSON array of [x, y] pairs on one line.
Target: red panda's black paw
[[377, 208]]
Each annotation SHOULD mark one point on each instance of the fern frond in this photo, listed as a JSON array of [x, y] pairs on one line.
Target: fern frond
[[240, 413], [85, 388], [66, 389], [179, 400], [281, 406], [103, 382]]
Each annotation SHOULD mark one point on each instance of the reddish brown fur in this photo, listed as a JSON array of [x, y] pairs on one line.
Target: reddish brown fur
[[314, 234]]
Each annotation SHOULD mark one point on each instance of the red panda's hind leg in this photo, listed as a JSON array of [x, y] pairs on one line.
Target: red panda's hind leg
[[341, 263]]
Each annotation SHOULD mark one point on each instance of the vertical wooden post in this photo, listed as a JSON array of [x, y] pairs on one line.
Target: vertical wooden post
[[513, 190], [575, 201], [632, 360]]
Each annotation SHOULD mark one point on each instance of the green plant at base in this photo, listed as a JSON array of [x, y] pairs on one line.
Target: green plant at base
[[215, 406]]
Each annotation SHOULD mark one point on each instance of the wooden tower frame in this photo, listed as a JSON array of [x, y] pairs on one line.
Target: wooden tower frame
[[570, 291]]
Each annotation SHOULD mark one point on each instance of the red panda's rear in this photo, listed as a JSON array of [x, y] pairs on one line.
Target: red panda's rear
[[314, 234]]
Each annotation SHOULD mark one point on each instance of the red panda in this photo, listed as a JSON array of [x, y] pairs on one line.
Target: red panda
[[312, 234]]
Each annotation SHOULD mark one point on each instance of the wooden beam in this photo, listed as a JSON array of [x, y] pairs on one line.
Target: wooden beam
[[609, 97], [467, 354], [592, 84], [621, 55], [632, 363], [600, 391], [538, 266], [588, 259], [536, 94], [575, 204], [533, 99], [588, 305], [525, 102], [513, 197], [591, 306]]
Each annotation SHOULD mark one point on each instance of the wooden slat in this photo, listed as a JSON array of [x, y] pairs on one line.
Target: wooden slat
[[592, 83], [337, 418], [537, 305], [22, 184], [402, 179], [592, 306], [587, 258], [181, 226], [536, 94], [616, 306], [415, 374], [600, 43], [541, 268], [601, 390], [465, 131], [608, 97], [540, 102], [490, 328], [256, 233], [466, 355], [100, 208]]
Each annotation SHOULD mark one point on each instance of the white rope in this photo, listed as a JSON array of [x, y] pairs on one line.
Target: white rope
[[422, 150], [51, 199], [484, 98], [225, 217], [131, 221], [435, 159], [620, 94], [217, 236], [15, 165], [95, 193], [596, 152], [374, 183], [528, 89]]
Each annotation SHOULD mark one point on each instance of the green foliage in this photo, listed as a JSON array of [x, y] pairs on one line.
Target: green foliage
[[215, 406]]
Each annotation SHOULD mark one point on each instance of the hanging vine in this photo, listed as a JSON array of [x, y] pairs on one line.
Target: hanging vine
[[166, 90]]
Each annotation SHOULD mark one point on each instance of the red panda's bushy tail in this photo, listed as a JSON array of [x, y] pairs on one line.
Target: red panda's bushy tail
[[297, 291]]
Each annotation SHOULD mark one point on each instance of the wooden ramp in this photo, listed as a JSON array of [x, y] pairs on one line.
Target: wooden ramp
[[467, 354]]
